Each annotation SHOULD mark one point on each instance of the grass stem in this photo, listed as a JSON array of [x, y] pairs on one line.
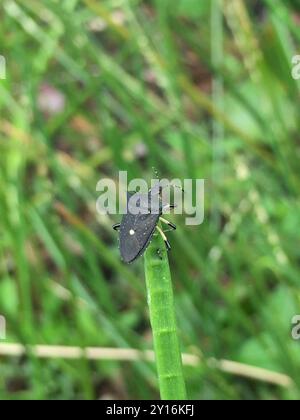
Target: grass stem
[[163, 322]]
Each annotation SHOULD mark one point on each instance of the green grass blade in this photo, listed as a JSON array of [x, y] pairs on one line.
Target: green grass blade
[[163, 322]]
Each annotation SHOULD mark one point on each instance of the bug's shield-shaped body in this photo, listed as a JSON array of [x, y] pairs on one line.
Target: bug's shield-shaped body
[[138, 226]]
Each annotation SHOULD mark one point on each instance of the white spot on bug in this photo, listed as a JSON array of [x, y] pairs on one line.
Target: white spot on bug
[[131, 232]]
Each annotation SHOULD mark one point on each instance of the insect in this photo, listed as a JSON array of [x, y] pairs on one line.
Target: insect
[[144, 211]]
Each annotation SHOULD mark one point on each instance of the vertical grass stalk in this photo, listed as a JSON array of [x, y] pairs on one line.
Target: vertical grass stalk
[[163, 322], [218, 132]]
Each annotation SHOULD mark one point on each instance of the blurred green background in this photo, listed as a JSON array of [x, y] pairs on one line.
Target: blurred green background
[[196, 89]]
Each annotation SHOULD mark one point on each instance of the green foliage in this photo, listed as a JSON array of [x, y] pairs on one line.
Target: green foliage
[[191, 8], [94, 87]]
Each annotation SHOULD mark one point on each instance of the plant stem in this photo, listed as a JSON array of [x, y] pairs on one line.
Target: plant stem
[[218, 131], [163, 321]]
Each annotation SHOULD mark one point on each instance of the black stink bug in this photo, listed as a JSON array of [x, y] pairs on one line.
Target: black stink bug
[[138, 226]]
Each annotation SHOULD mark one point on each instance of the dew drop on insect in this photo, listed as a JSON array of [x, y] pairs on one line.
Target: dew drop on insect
[[131, 232]]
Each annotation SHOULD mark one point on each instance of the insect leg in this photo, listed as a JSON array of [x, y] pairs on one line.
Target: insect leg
[[177, 186], [169, 207], [117, 226], [164, 238], [171, 225]]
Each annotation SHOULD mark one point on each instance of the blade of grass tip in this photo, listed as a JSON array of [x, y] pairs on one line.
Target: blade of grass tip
[[163, 322]]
